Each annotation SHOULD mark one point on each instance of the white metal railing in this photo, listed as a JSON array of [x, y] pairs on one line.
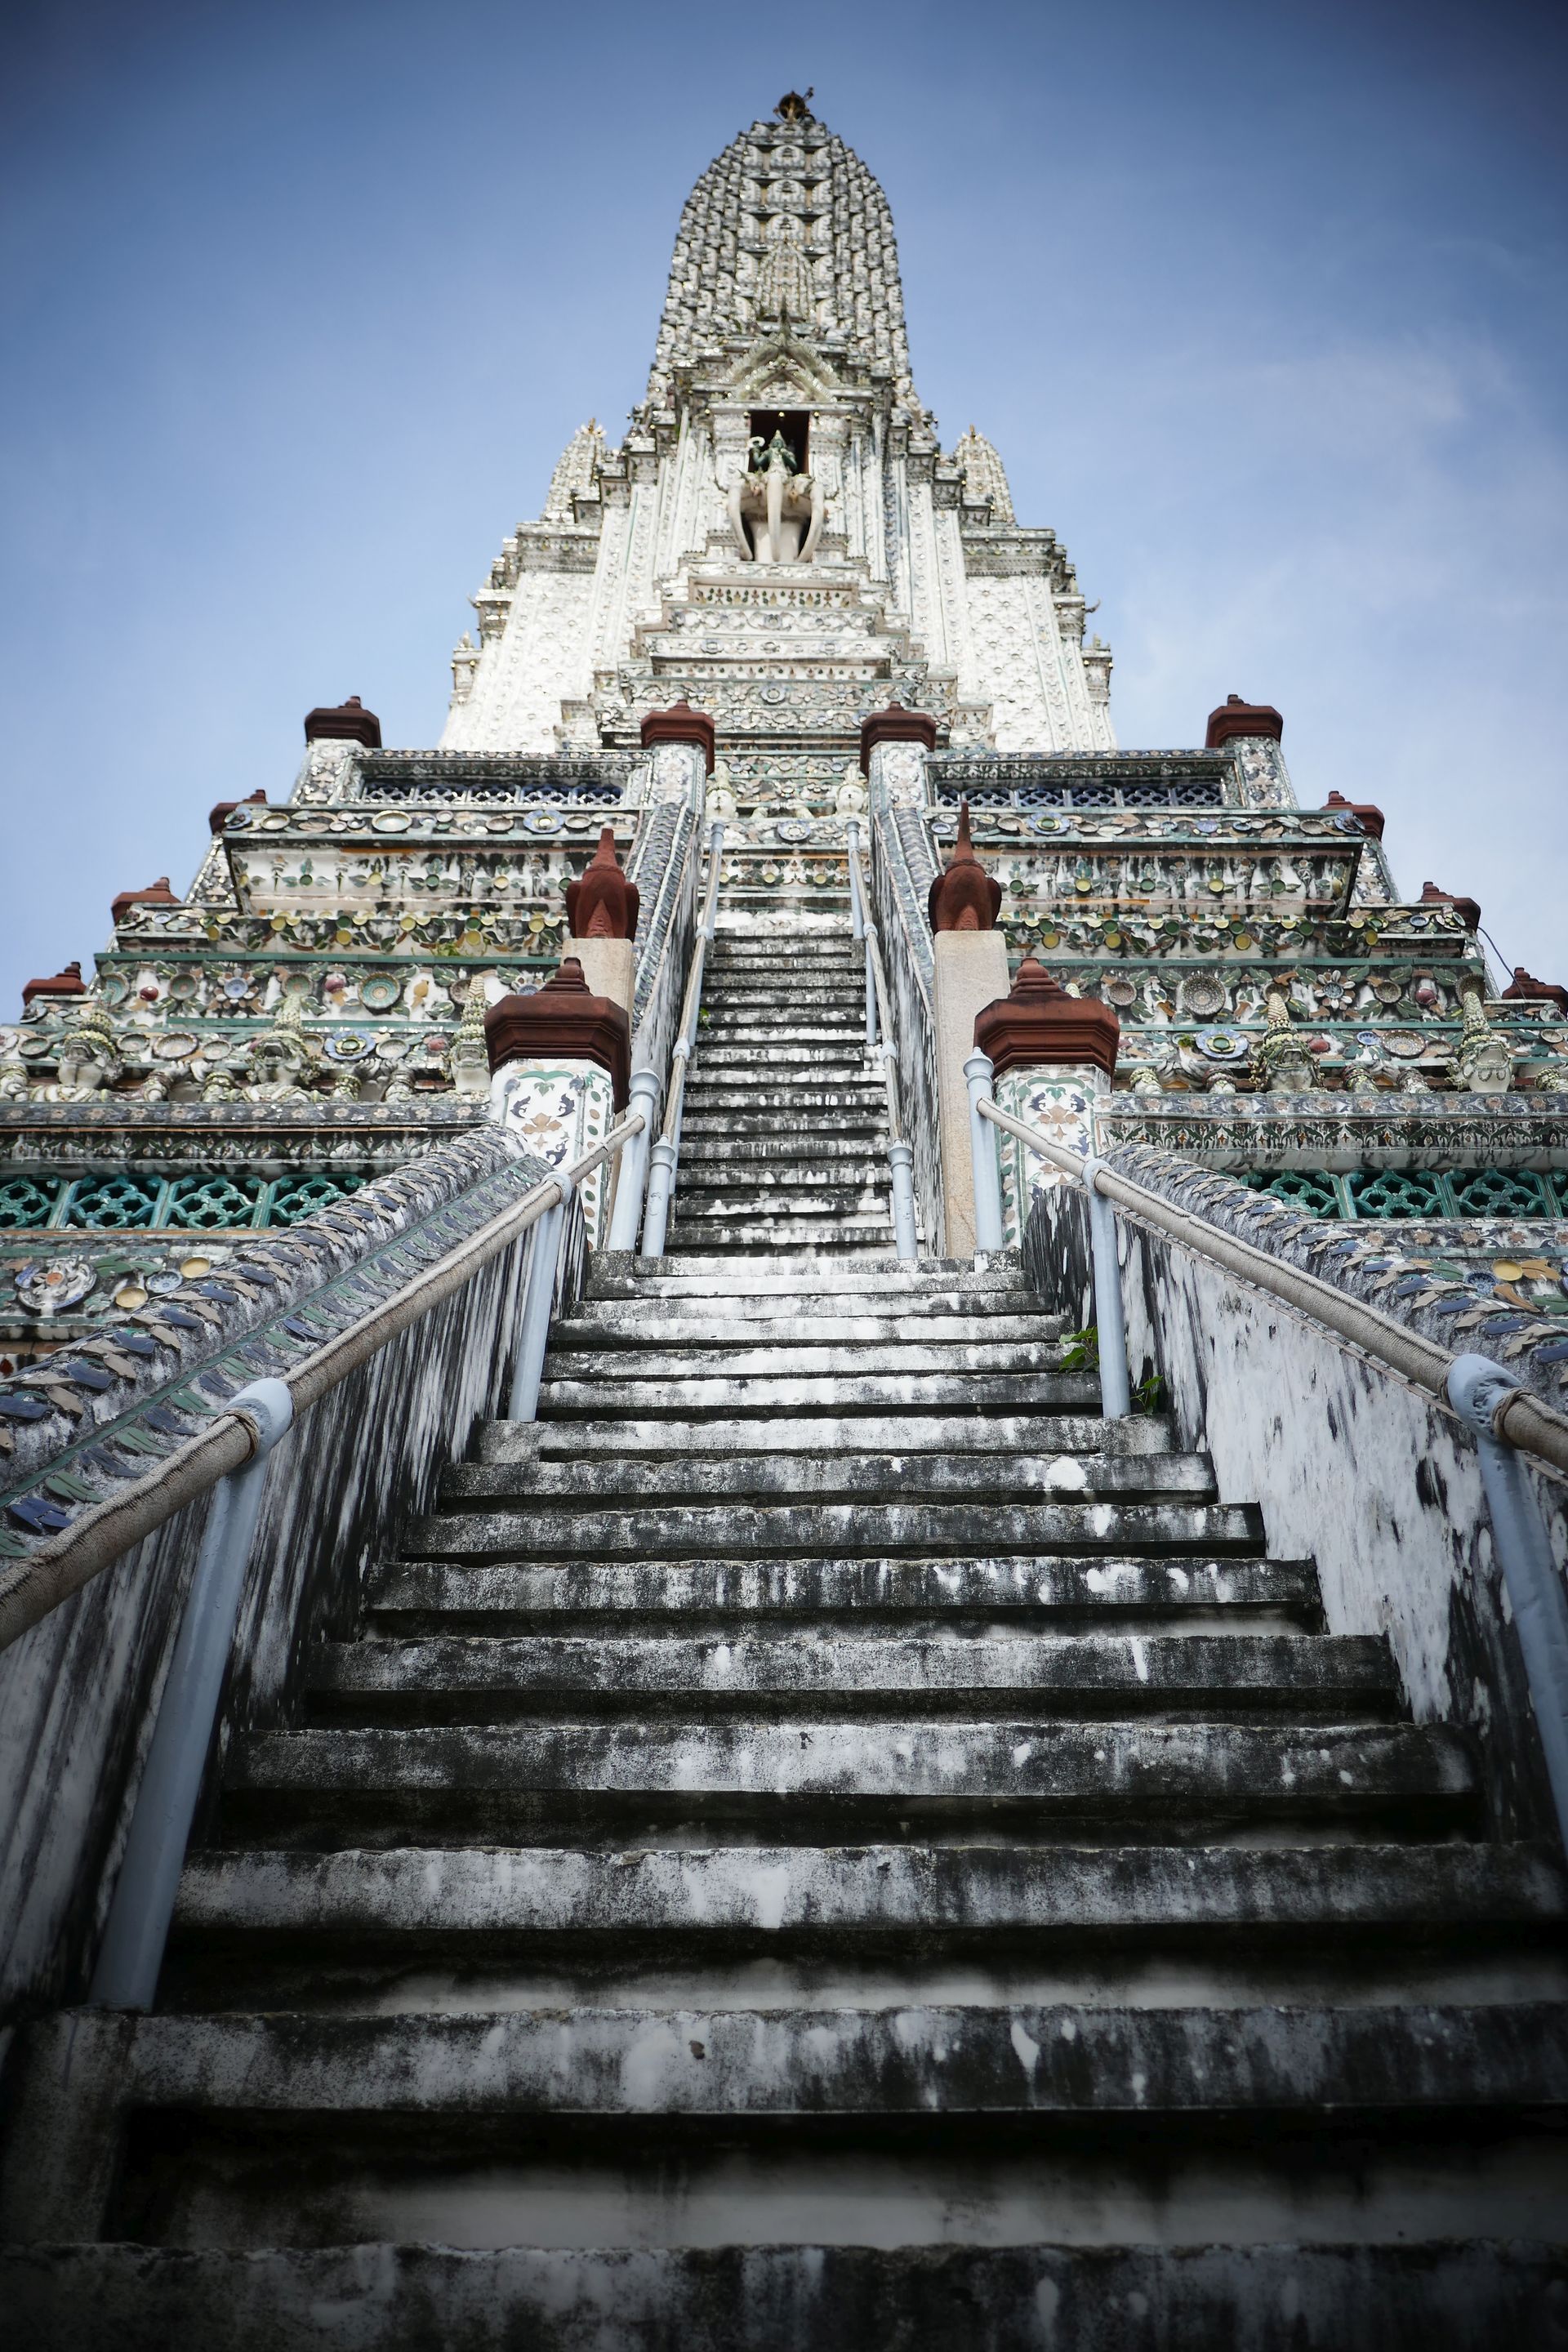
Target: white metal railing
[[1505, 1419], [878, 1007], [231, 1455], [665, 1154]]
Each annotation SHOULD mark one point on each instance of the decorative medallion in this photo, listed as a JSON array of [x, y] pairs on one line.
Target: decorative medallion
[[1121, 992], [163, 1283], [379, 991], [347, 1045], [793, 828], [773, 694], [175, 1046], [393, 821], [1222, 1045], [542, 820], [1043, 820], [1404, 1043], [49, 1287], [1203, 997]]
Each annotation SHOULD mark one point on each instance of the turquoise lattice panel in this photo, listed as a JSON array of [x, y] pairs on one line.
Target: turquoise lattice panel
[[1308, 1188], [114, 1205], [212, 1204], [294, 1197], [1414, 1193], [27, 1201], [1501, 1192]]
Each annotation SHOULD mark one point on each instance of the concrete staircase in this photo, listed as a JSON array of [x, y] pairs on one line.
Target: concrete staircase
[[784, 1140], [822, 1841]]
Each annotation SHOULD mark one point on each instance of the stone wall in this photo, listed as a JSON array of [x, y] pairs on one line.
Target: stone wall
[[78, 1692], [1354, 1468]]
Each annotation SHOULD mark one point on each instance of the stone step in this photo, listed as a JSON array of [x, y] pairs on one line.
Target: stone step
[[713, 1103], [718, 1436], [565, 1397], [790, 1015], [865, 1129], [622, 1326], [860, 1240], [1448, 2294], [845, 1477], [825, 1896], [496, 1595], [808, 1353], [805, 1782], [618, 1275], [801, 1166], [922, 1307], [975, 2062], [490, 1678], [564, 1531], [791, 1155]]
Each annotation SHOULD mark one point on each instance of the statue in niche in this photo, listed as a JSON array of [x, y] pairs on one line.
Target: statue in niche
[[784, 288], [776, 512]]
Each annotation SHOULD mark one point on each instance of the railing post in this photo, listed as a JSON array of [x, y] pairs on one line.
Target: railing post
[[869, 934], [905, 1240], [982, 1149], [126, 1975], [533, 1326], [1477, 1387], [629, 1176], [1110, 1324], [661, 1185], [852, 840]]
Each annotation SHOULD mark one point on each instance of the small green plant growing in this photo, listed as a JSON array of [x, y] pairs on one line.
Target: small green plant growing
[[1149, 1396], [1080, 1352]]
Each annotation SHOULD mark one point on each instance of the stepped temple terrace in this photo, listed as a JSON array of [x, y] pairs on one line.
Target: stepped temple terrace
[[783, 1470]]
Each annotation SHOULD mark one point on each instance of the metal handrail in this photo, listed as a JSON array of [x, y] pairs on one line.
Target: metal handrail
[[1505, 1419], [231, 1455], [666, 1152], [65, 1563], [878, 1002], [1522, 1420]]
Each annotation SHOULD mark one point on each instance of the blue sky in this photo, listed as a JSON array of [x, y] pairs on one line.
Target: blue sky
[[1264, 306]]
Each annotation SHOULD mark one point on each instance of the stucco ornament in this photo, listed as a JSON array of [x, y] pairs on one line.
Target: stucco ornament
[[1483, 1062], [1280, 1060], [88, 1059]]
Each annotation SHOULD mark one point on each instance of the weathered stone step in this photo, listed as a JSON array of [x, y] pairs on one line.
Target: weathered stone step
[[796, 1477], [807, 1783], [617, 1274], [801, 1019], [824, 1894], [1152, 1591], [1444, 2296], [592, 1531], [866, 1127], [876, 1300], [486, 1678], [563, 1397], [803, 1169], [719, 1100], [622, 1326], [791, 1156], [749, 1358], [914, 2062], [861, 1239], [717, 1436]]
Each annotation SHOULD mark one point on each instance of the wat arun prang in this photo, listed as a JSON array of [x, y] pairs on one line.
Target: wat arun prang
[[780, 543]]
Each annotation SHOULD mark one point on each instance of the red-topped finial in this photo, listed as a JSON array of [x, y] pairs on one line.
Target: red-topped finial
[[602, 904], [965, 898]]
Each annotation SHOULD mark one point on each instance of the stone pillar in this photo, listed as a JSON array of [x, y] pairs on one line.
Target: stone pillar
[[971, 971], [1053, 1056], [602, 910], [560, 1071]]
